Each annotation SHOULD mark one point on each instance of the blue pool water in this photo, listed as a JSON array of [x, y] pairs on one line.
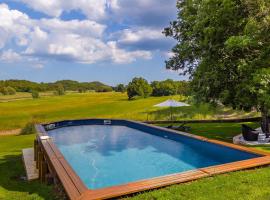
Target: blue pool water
[[104, 155]]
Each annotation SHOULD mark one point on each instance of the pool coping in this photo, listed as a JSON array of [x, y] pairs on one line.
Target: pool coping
[[76, 189]]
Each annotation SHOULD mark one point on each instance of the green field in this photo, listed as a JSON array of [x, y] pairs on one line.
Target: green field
[[15, 114]]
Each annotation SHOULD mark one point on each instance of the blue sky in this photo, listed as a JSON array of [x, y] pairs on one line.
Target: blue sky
[[86, 40]]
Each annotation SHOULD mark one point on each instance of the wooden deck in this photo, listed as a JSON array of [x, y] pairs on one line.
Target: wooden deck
[[30, 164], [76, 190]]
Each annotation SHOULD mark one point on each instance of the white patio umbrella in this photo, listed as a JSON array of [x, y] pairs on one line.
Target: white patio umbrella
[[171, 103]]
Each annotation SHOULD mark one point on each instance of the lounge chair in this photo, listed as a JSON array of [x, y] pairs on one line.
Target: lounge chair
[[264, 131], [249, 134], [181, 127]]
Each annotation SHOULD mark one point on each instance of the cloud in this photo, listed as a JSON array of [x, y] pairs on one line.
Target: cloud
[[121, 56], [13, 24], [93, 9], [9, 56], [143, 38], [154, 13], [74, 40]]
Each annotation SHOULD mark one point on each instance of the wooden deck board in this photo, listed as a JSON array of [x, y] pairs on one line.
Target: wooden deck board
[[138, 186], [30, 164], [240, 165]]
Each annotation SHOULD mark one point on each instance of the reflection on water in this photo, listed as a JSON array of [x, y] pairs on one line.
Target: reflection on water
[[111, 155]]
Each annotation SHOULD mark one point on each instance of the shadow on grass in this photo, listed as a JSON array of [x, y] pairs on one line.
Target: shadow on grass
[[11, 171]]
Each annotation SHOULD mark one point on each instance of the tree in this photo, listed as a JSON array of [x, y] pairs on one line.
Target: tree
[[82, 90], [224, 46], [164, 88], [138, 87], [60, 90], [9, 91], [104, 89], [120, 88], [35, 94]]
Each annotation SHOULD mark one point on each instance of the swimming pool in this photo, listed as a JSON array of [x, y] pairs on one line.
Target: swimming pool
[[115, 153]]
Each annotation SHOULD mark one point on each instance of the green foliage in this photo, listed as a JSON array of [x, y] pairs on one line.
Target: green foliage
[[35, 94], [224, 46], [138, 87], [60, 90], [104, 89], [69, 85], [8, 90], [29, 128], [164, 88], [120, 88], [169, 87], [261, 86], [82, 90], [4, 91]]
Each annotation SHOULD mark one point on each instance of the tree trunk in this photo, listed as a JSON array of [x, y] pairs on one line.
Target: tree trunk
[[265, 125]]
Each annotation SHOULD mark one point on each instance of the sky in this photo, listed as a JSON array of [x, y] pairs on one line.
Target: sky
[[110, 41]]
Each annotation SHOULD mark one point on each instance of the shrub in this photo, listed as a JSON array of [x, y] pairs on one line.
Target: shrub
[[82, 90], [7, 90], [29, 128], [35, 94], [60, 90], [11, 90]]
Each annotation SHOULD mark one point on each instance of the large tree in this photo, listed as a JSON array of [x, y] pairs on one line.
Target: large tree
[[224, 46], [138, 87]]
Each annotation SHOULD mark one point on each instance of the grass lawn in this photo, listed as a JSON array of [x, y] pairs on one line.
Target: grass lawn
[[218, 131], [15, 114], [11, 168], [22, 96]]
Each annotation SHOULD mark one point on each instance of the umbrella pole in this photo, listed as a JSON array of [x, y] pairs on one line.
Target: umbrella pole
[[171, 112]]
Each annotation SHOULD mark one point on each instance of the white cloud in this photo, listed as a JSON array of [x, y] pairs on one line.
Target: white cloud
[[13, 24], [9, 56], [143, 38], [142, 12], [132, 36], [120, 56], [93, 9], [74, 40]]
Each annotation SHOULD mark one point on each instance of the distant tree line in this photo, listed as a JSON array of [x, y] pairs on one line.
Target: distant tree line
[[141, 88], [137, 87], [9, 87]]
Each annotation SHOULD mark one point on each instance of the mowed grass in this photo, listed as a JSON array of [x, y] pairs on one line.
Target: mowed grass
[[12, 187], [242, 185], [218, 131], [21, 96], [15, 114]]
